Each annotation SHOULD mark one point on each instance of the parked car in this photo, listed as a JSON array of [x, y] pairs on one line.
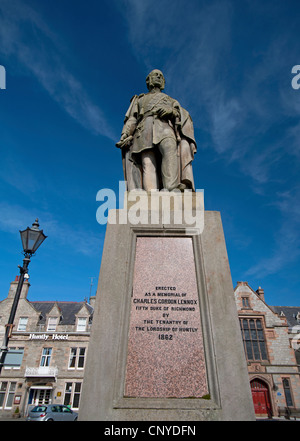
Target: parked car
[[52, 412]]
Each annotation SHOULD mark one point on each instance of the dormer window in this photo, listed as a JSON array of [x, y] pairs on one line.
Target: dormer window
[[22, 323], [52, 323], [81, 324]]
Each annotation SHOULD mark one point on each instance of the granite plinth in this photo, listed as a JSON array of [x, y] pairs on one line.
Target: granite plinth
[[165, 345]]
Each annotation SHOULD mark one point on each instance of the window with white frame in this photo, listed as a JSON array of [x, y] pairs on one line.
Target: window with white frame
[[72, 395], [52, 323], [3, 389], [72, 358], [81, 324], [22, 323], [46, 357], [77, 358], [7, 392], [10, 395], [81, 358]]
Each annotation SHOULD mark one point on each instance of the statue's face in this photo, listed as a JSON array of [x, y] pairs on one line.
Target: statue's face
[[155, 79]]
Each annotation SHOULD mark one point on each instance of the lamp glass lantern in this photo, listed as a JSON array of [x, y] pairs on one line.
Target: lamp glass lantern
[[32, 238]]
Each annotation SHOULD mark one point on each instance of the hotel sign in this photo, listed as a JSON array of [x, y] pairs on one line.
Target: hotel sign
[[48, 336]]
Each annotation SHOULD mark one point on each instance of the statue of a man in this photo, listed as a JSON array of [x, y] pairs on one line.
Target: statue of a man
[[157, 140]]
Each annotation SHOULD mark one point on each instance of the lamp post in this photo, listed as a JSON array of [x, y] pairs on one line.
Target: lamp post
[[31, 238]]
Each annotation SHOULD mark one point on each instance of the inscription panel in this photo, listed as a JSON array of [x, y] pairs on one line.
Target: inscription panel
[[165, 346]]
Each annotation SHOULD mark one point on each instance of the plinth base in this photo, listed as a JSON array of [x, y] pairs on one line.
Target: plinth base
[[165, 341]]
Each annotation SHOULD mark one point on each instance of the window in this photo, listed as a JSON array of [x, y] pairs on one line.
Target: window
[[52, 323], [68, 394], [72, 359], [245, 302], [253, 339], [77, 357], [13, 358], [22, 323], [76, 396], [287, 392], [46, 357], [10, 395], [81, 324], [7, 392], [39, 409], [81, 357], [72, 395], [3, 388]]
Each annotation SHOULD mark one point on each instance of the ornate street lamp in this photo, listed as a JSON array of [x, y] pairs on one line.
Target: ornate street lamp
[[31, 238]]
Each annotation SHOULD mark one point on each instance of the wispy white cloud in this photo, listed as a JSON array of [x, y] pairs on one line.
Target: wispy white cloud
[[287, 239], [25, 35], [286, 250], [25, 182], [77, 239], [13, 217], [225, 119]]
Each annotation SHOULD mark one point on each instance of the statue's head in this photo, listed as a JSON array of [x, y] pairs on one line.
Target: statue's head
[[155, 79]]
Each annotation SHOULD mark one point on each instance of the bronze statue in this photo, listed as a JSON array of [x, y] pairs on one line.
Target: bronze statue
[[157, 140]]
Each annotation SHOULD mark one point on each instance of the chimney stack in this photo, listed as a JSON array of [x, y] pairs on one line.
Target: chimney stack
[[13, 288], [92, 301], [261, 293]]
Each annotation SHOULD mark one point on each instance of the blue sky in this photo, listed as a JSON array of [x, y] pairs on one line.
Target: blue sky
[[72, 67]]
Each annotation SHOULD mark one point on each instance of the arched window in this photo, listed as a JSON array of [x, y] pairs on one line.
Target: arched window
[[287, 392]]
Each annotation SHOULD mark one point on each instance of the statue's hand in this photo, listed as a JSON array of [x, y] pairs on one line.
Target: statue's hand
[[124, 136], [165, 112], [124, 141], [121, 143]]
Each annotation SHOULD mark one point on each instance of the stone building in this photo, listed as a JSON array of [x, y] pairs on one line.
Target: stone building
[[47, 352], [268, 334]]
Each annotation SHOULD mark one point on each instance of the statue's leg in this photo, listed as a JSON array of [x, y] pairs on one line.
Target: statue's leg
[[132, 173], [169, 163], [150, 179]]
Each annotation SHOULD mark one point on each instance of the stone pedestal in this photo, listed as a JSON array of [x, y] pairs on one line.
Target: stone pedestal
[[165, 341]]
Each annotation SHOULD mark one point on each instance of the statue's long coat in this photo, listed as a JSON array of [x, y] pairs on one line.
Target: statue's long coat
[[149, 130]]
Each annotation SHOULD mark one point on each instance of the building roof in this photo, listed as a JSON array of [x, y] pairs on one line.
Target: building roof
[[291, 313], [68, 310]]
